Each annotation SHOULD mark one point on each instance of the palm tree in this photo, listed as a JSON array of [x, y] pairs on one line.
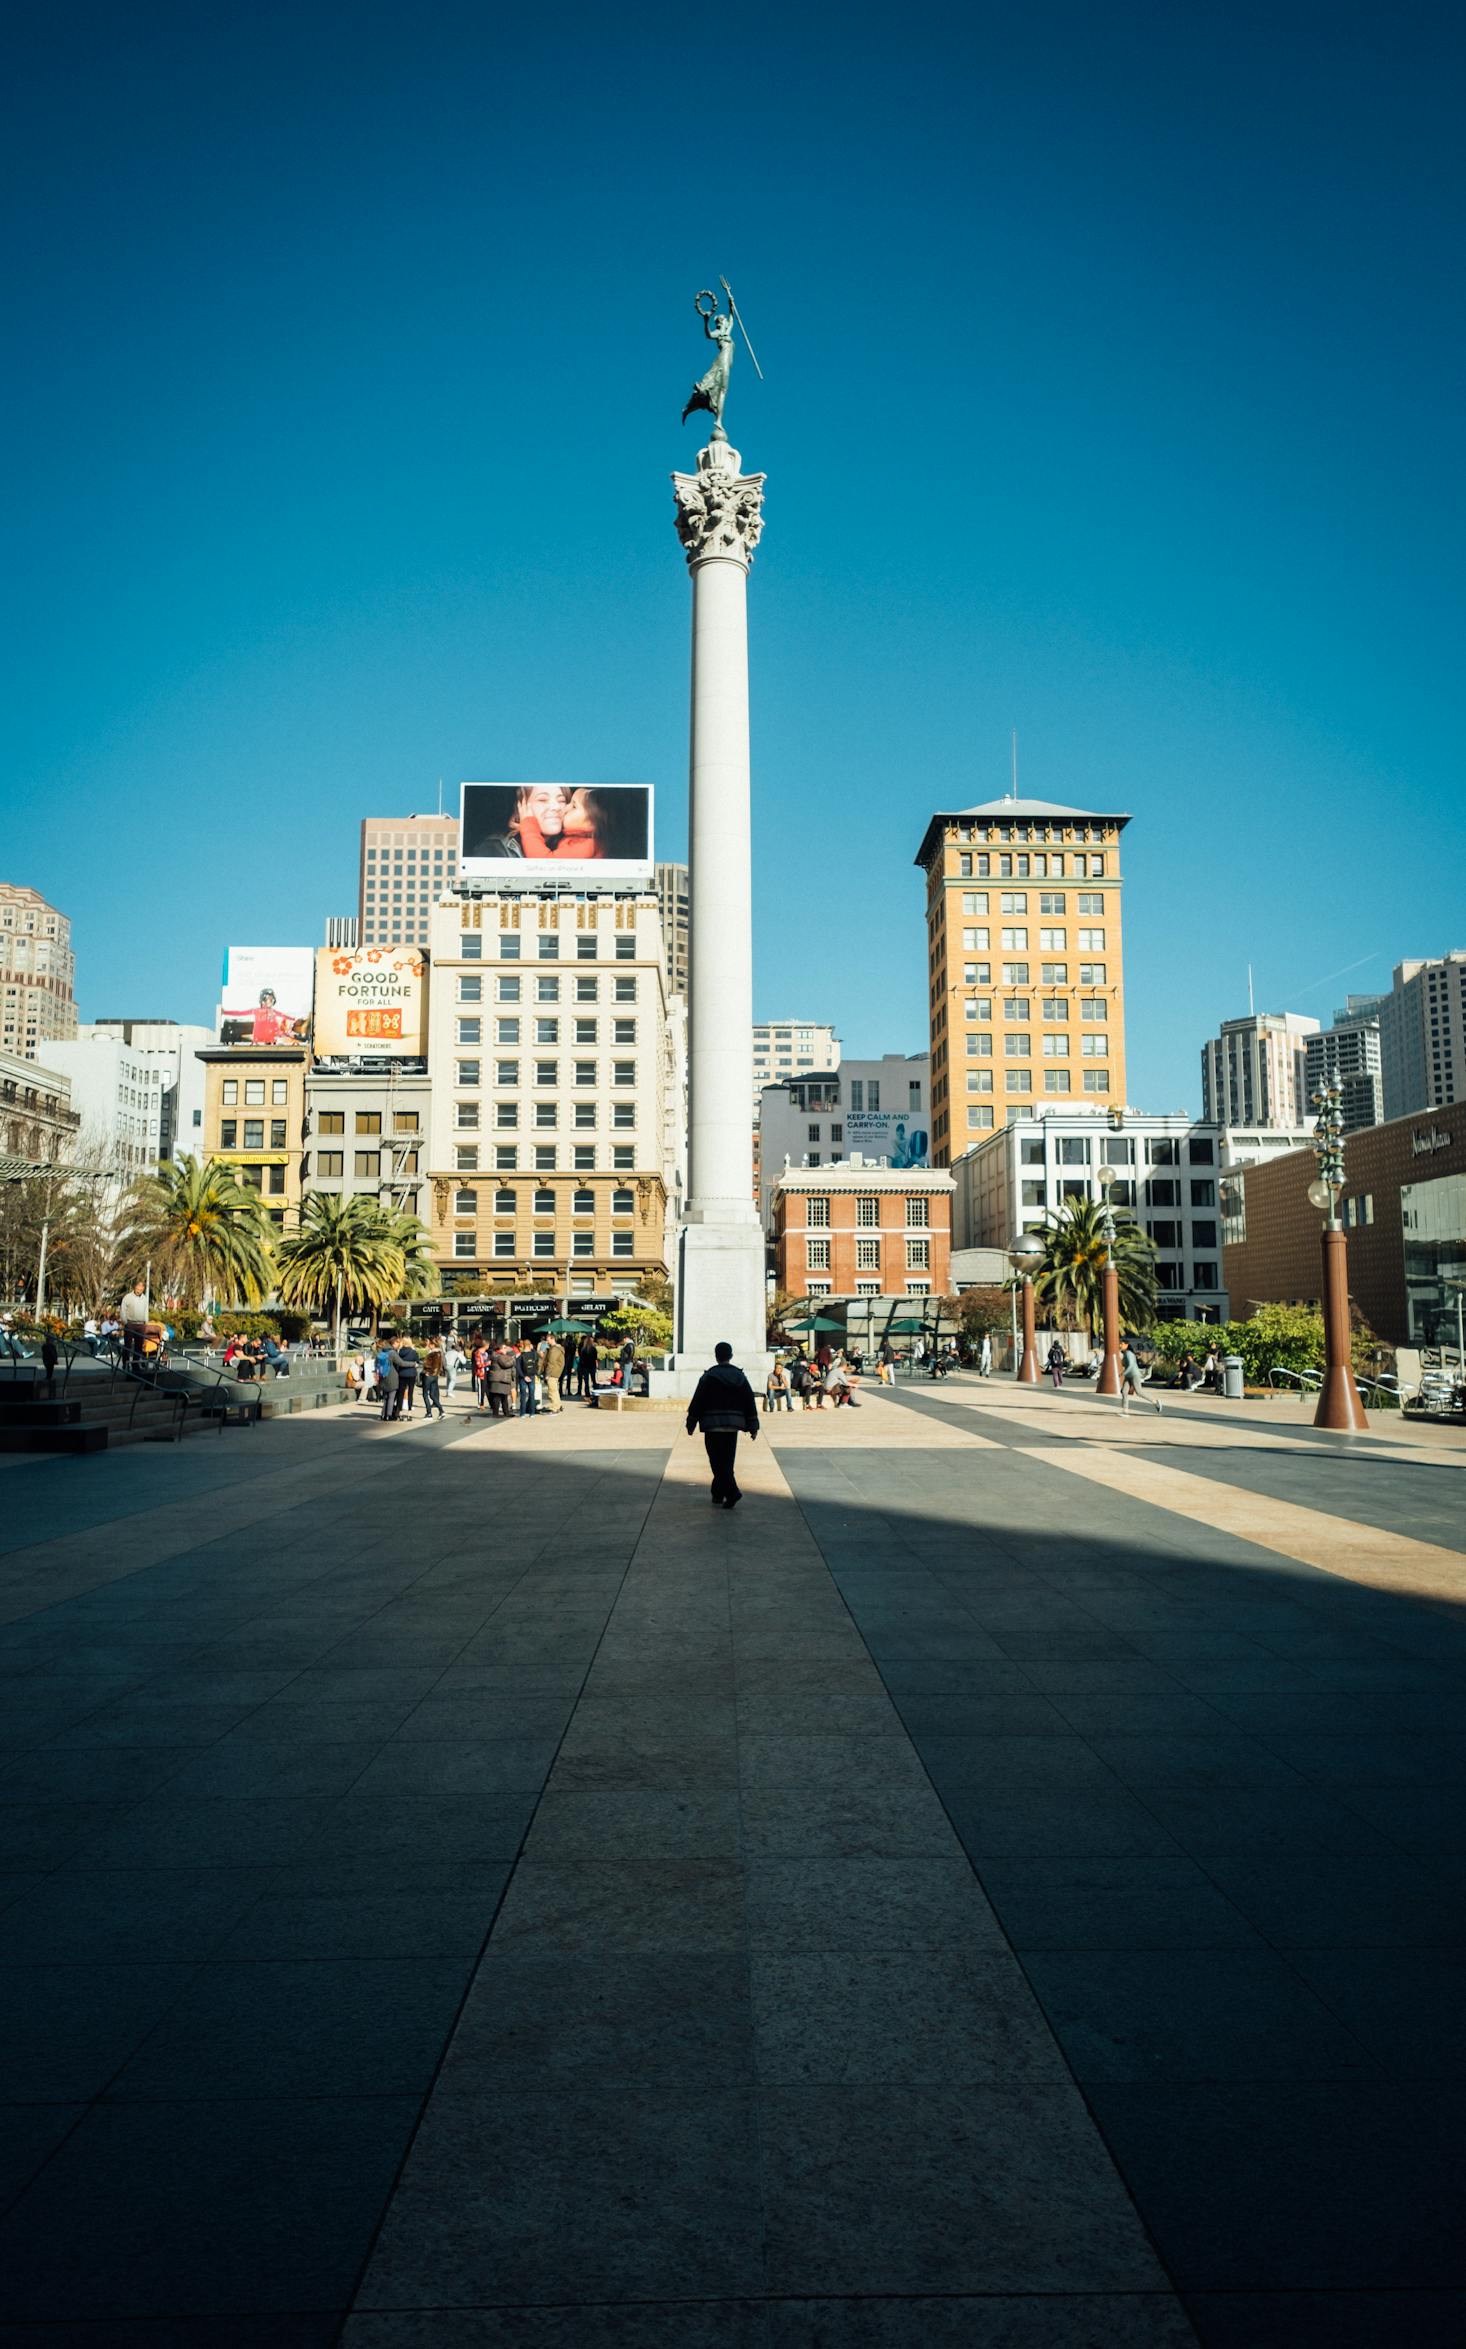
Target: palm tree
[[1077, 1247], [417, 1274], [205, 1233], [344, 1253]]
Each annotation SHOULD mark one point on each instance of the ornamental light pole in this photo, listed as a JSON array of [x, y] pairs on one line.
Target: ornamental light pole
[[1108, 1382], [1339, 1406], [1025, 1255]]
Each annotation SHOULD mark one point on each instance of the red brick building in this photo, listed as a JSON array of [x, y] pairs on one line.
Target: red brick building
[[863, 1231], [1404, 1211]]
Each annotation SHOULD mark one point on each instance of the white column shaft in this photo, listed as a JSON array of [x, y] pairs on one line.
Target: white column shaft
[[720, 1029]]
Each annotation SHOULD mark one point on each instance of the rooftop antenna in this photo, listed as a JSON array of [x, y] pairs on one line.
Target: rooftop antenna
[[1013, 793], [440, 795], [1251, 1006]]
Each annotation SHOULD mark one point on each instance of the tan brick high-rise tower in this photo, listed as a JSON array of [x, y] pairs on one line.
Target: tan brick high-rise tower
[[1025, 979]]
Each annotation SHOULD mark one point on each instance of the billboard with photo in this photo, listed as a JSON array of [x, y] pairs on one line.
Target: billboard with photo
[[267, 995], [370, 1001], [888, 1134], [527, 834]]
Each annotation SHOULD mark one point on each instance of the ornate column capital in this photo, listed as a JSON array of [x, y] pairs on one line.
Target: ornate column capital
[[719, 510]]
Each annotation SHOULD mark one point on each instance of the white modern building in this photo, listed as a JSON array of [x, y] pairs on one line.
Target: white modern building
[[1168, 1172], [877, 1112], [172, 1047], [1423, 1035], [791, 1048], [1254, 1073], [117, 1093], [1348, 1053], [550, 1142]]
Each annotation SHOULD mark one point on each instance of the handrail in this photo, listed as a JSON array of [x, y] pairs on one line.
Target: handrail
[[1306, 1380]]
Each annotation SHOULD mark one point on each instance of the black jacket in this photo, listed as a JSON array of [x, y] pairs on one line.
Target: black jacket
[[723, 1403]]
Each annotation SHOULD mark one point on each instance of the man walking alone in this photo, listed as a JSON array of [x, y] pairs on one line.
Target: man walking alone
[[723, 1407]]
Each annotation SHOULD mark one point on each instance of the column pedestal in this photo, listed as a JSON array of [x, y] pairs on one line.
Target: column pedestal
[[1339, 1406]]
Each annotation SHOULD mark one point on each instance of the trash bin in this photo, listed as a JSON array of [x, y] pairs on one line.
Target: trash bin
[[1232, 1377]]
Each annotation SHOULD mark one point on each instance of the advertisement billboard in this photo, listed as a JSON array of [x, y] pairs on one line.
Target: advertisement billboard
[[886, 1133], [267, 994], [522, 835], [370, 1001]]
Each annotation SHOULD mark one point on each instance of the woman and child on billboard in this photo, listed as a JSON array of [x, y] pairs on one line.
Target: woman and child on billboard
[[560, 824]]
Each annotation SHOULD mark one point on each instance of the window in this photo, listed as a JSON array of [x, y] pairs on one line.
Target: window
[[964, 867], [507, 989], [1032, 1194], [1017, 1007], [1056, 1047], [583, 1157], [1092, 974], [543, 1244], [623, 1243], [918, 1213], [471, 946], [583, 1244], [1095, 1047], [466, 1202], [275, 1179], [980, 1007], [546, 1114], [1204, 1193], [813, 1133], [1091, 901], [977, 974], [506, 1156], [817, 1255], [586, 1031], [623, 1113], [1096, 1080], [229, 1133], [982, 1118], [1018, 1046], [625, 990], [368, 1121], [1053, 941], [623, 1072], [254, 1092], [622, 1202], [465, 1116], [277, 1133], [331, 1121], [465, 1158], [229, 1092], [586, 946], [547, 1072], [1166, 1233], [1055, 1008], [588, 990], [1052, 901], [503, 1243], [506, 1072], [626, 948], [976, 941], [1018, 1081], [817, 1211], [367, 1162], [818, 1288], [544, 1157], [623, 1156], [868, 1255], [330, 1162], [547, 1031], [979, 1080], [1164, 1151], [1091, 941], [918, 1288], [867, 1212], [509, 949], [404, 1121], [974, 901], [469, 1072], [506, 1114], [1204, 1234], [1031, 1153], [548, 990], [505, 1032], [857, 1093], [463, 1244], [1014, 937], [1094, 1007], [1057, 1080], [1164, 1191], [837, 1133], [1015, 901], [1055, 974], [471, 987], [1205, 1276], [1199, 1150], [254, 1133], [544, 1201], [280, 1090], [918, 1255], [623, 1032], [1015, 974]]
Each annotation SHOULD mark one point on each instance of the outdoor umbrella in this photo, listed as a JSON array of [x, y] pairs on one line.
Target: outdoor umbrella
[[558, 1329], [905, 1329], [816, 1321]]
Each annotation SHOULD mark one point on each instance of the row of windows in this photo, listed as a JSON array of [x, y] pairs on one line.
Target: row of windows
[[254, 1091], [509, 989], [868, 1212], [542, 1244], [584, 1116], [1015, 940], [547, 1072], [1119, 1150], [545, 1159], [1051, 901], [869, 1288], [510, 947], [1092, 1008], [868, 1255], [254, 1133], [365, 1162], [543, 1202], [1080, 867], [1051, 974], [1020, 1080], [367, 1121]]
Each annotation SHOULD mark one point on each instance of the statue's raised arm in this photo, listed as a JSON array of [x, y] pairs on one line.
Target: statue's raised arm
[[711, 390]]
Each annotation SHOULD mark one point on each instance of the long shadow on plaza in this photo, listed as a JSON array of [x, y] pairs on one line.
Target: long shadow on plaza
[[260, 1804]]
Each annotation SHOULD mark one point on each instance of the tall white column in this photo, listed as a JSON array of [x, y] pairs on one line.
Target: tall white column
[[720, 1289]]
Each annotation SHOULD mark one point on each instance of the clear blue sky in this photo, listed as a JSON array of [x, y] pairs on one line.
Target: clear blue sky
[[1114, 392]]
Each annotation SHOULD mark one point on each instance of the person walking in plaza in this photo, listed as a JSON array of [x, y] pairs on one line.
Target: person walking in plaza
[[454, 1359], [133, 1314], [723, 1406], [1055, 1361], [985, 1355], [554, 1373], [387, 1379], [585, 1367], [481, 1360], [432, 1371], [524, 1372], [1130, 1380], [409, 1363]]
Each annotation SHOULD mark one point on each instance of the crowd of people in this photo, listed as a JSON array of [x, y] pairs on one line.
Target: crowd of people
[[507, 1377]]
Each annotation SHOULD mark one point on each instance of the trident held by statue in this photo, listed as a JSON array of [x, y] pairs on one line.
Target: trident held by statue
[[711, 390]]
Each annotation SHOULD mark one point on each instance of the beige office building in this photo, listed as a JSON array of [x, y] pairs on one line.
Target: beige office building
[[254, 1120], [406, 864], [37, 974], [366, 1136], [674, 900], [550, 1055], [1024, 965]]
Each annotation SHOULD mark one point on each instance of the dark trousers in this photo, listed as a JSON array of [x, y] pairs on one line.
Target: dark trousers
[[432, 1399], [722, 1451], [526, 1398], [402, 1409], [389, 1397]]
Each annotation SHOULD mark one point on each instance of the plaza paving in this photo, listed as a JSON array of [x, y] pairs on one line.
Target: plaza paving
[[1003, 1886]]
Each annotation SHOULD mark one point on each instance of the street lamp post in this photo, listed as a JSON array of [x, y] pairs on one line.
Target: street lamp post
[[1108, 1382], [1339, 1406], [1025, 1255]]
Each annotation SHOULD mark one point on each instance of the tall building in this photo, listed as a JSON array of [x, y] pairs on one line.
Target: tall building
[[791, 1048], [367, 1134], [1024, 962], [117, 1092], [37, 1122], [1423, 1035], [344, 931], [1349, 1052], [37, 973], [173, 1048], [673, 899], [875, 1112], [549, 1137], [254, 1120], [1254, 1073], [406, 864]]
